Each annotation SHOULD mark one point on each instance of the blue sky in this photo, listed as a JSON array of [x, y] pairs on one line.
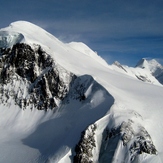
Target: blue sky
[[123, 30]]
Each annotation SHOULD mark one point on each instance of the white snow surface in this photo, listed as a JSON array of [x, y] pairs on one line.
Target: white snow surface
[[153, 66], [38, 136], [143, 71]]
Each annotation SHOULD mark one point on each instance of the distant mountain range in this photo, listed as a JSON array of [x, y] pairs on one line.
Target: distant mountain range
[[146, 70]]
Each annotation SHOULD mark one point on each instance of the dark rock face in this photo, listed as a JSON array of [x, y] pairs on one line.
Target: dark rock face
[[85, 146], [31, 78], [45, 82], [160, 78], [116, 63], [80, 85], [143, 78], [137, 143]]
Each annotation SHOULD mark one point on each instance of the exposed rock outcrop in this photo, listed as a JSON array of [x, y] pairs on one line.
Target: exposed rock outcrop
[[84, 149], [137, 142], [116, 63], [42, 83]]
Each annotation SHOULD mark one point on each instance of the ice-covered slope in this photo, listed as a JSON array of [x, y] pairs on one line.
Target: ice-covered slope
[[100, 115]]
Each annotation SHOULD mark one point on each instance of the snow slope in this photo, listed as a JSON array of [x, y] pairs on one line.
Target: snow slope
[[155, 68], [112, 99], [143, 72]]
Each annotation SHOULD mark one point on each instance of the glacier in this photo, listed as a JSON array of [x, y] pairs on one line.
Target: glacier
[[61, 102]]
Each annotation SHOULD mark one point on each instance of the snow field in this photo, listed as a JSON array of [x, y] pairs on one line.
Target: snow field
[[36, 136]]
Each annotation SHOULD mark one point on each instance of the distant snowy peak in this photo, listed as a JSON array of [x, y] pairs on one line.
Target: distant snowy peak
[[143, 63], [141, 72], [153, 66]]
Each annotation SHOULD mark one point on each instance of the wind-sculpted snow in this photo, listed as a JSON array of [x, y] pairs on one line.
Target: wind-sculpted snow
[[136, 140], [8, 39], [33, 80], [55, 137]]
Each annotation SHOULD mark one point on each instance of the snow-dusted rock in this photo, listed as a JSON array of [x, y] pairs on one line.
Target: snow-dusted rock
[[120, 116]]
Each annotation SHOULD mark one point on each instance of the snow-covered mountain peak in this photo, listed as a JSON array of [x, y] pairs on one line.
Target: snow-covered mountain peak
[[148, 63], [22, 24], [143, 63], [154, 62], [62, 103], [35, 35], [141, 72], [153, 66], [31, 32]]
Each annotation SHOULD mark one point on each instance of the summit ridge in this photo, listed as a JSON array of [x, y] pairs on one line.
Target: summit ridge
[[61, 102]]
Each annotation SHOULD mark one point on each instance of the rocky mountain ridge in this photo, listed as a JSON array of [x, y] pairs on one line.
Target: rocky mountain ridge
[[81, 113], [43, 84], [149, 71]]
